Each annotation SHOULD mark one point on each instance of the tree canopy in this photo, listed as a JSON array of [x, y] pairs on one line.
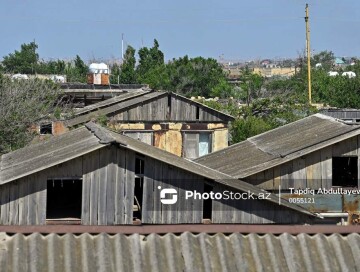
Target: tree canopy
[[23, 61]]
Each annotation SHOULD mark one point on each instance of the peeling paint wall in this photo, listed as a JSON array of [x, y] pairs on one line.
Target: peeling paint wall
[[59, 128], [169, 136], [220, 139]]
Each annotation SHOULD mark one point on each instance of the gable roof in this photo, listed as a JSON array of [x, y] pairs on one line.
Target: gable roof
[[279, 145], [81, 141], [130, 100]]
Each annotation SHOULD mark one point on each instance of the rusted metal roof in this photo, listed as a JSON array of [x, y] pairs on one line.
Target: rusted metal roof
[[83, 140], [184, 252], [279, 145]]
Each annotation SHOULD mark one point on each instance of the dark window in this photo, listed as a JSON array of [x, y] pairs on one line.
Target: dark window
[[207, 208], [345, 171], [64, 199], [139, 186], [46, 128], [197, 113]]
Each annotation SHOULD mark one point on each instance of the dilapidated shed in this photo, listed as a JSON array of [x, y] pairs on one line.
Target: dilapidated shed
[[163, 119], [317, 152], [93, 176]]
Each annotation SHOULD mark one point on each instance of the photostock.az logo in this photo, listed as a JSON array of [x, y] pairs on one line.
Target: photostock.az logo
[[165, 192]]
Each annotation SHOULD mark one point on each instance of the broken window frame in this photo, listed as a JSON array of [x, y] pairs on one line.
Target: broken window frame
[[187, 141], [138, 186]]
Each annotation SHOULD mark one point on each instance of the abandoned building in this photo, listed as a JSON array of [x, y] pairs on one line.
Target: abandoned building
[[93, 176], [317, 152], [347, 115], [165, 120]]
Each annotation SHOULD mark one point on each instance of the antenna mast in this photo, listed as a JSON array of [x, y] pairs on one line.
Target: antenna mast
[[308, 49]]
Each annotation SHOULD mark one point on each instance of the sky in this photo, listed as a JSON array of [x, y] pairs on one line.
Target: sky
[[227, 29]]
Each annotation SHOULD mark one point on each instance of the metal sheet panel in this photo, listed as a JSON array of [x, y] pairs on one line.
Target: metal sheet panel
[[184, 252]]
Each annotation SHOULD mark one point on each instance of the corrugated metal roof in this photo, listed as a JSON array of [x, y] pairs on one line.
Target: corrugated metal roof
[[114, 107], [279, 145], [184, 252], [56, 150]]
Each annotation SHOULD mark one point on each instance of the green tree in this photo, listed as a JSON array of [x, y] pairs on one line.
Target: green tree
[[127, 72], [76, 71], [197, 76], [151, 61], [251, 85], [23, 61], [22, 103], [326, 58]]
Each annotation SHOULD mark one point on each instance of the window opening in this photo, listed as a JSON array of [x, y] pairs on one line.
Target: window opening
[[207, 204], [46, 128], [345, 171], [64, 198]]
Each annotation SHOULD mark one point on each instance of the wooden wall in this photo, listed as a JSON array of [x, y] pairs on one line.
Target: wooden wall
[[23, 202], [247, 211], [158, 110], [310, 171], [108, 177]]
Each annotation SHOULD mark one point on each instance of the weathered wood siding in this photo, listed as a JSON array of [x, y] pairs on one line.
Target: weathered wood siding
[[108, 185], [23, 202], [246, 211], [310, 171], [179, 109], [184, 211]]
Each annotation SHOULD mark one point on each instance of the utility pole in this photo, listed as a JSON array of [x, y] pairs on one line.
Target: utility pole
[[308, 49]]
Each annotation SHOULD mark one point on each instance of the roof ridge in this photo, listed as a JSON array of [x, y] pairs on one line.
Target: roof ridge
[[100, 133]]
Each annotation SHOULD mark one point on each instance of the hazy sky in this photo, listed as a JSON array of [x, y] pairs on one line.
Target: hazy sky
[[234, 29]]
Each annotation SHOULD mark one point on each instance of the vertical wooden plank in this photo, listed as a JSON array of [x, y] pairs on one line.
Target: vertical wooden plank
[[22, 201], [298, 174], [148, 192], [101, 197], [158, 182], [268, 183], [326, 167], [4, 217], [313, 170], [277, 177], [31, 220], [119, 186], [110, 189], [129, 187], [94, 189], [86, 184], [286, 181], [14, 203], [166, 183], [41, 195]]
